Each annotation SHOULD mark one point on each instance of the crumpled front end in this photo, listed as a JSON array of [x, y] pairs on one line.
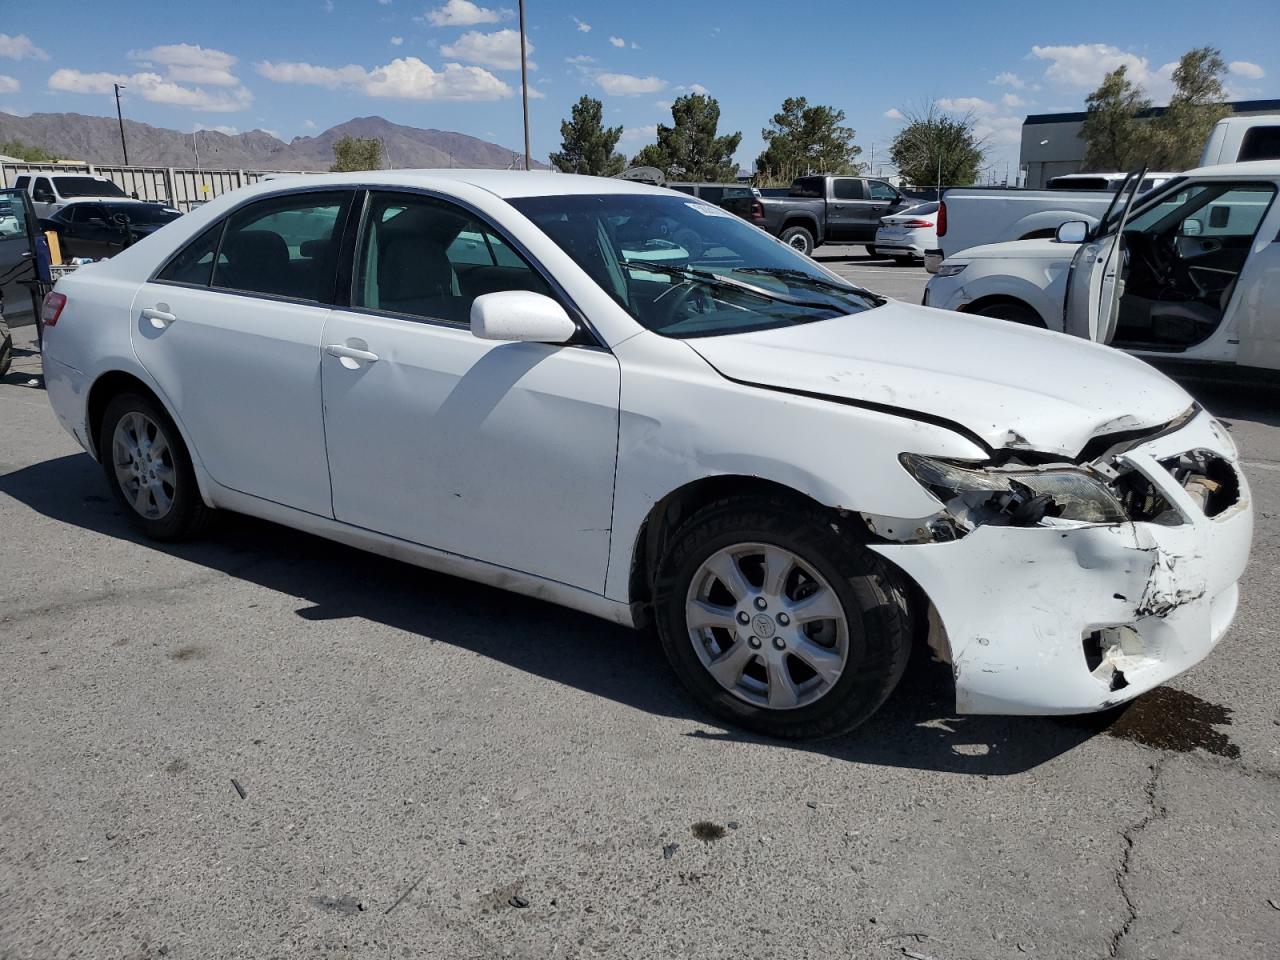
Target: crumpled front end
[[1061, 616]]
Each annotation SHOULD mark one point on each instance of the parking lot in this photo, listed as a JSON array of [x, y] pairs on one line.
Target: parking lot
[[263, 744]]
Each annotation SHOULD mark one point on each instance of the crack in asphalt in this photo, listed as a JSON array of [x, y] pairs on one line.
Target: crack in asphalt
[[1130, 836]]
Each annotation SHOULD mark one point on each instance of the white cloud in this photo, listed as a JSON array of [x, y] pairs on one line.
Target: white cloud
[[396, 41], [966, 105], [20, 47], [1012, 100], [189, 63], [646, 132], [220, 128], [699, 89], [662, 104], [580, 58], [153, 88], [405, 78], [999, 131], [893, 113], [1007, 79], [625, 85], [582, 27], [464, 13], [9, 84], [1243, 68], [309, 124], [617, 41], [1083, 66], [500, 49]]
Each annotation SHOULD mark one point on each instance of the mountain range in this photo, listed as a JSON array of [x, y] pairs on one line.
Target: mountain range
[[74, 136]]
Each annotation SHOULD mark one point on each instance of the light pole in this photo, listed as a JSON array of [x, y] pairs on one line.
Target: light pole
[[524, 85], [120, 116]]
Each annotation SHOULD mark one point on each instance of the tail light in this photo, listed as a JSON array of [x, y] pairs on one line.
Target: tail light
[[915, 224], [942, 218], [757, 210], [52, 309]]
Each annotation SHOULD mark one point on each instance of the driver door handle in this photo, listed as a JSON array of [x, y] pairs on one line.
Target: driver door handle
[[159, 316], [341, 350]]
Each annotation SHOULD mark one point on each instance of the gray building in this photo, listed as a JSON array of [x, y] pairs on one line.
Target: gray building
[[1051, 143]]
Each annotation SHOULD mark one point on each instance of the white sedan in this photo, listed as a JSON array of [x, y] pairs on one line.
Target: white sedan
[[909, 233], [627, 401]]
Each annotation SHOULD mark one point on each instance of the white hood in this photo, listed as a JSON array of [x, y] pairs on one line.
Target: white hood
[[1011, 385]]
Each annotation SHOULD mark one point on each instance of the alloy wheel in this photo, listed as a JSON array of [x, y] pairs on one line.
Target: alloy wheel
[[767, 626], [144, 465]]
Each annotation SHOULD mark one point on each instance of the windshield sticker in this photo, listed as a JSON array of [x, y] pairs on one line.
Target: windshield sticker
[[707, 210]]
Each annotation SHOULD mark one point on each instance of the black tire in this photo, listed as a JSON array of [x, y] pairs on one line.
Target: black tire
[[187, 513], [798, 238], [872, 251], [871, 592], [1013, 312]]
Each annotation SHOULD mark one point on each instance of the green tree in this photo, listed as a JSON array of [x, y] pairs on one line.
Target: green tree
[[26, 151], [1112, 132], [356, 153], [690, 149], [1174, 140], [935, 148], [586, 144], [802, 139]]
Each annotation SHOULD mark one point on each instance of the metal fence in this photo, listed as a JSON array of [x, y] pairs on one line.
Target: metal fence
[[180, 187]]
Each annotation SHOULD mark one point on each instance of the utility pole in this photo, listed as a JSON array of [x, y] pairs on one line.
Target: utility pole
[[524, 85], [120, 116]]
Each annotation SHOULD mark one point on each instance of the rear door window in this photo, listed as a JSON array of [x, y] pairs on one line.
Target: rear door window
[[193, 264], [1261, 143], [847, 188], [284, 246]]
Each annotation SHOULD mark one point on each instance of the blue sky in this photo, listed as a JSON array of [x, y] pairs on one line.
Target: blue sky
[[295, 67]]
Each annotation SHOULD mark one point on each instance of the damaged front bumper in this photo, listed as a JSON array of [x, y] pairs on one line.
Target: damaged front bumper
[[1065, 617]]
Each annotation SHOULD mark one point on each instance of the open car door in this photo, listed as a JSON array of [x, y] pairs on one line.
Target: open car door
[[19, 236], [1095, 282]]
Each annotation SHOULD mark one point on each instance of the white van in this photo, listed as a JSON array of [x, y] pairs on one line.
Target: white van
[[50, 192], [1243, 138]]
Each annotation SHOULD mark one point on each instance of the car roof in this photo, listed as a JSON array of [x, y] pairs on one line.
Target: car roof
[[1249, 168], [508, 184]]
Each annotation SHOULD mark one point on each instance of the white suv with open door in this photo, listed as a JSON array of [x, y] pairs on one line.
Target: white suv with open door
[[1190, 272]]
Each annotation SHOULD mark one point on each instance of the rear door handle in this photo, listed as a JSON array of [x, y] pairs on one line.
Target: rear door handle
[[342, 351], [159, 315]]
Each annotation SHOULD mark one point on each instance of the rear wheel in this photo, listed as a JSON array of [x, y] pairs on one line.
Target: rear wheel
[[798, 238], [1014, 312], [773, 620], [872, 251], [148, 469]]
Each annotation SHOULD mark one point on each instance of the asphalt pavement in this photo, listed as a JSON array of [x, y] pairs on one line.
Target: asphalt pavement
[[265, 745]]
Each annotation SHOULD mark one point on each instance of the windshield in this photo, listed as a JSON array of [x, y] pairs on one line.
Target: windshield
[[148, 213], [685, 268], [87, 187]]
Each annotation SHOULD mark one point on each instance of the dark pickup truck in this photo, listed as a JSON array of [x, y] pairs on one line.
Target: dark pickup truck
[[818, 210]]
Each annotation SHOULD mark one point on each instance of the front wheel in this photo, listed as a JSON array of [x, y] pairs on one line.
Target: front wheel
[[148, 469], [798, 238], [774, 621]]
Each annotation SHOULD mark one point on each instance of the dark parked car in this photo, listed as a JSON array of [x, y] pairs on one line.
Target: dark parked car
[[820, 210], [98, 229], [19, 258], [715, 193]]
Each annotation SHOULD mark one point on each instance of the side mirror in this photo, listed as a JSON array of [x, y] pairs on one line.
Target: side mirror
[[1073, 231], [521, 315], [1191, 227]]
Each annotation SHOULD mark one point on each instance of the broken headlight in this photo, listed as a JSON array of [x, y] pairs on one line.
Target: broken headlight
[[1015, 496]]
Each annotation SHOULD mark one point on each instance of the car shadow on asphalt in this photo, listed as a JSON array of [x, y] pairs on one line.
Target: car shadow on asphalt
[[917, 728]]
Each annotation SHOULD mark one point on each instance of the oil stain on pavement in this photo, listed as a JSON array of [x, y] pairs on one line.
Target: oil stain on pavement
[[1169, 719]]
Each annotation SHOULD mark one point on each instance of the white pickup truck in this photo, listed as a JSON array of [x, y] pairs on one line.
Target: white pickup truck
[[1189, 272], [973, 216]]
